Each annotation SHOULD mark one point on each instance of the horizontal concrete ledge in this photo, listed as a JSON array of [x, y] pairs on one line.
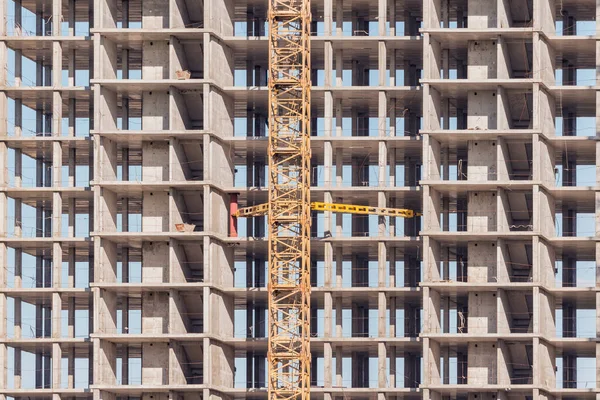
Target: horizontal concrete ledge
[[136, 288], [463, 35], [47, 89], [138, 187], [137, 136], [22, 141], [478, 236], [124, 35], [34, 393], [39, 193], [42, 39], [511, 389], [233, 290], [317, 343], [127, 35], [345, 297], [493, 337], [459, 136], [35, 242], [127, 136], [81, 347], [139, 237], [139, 85], [351, 44], [459, 287], [138, 389], [474, 185], [470, 388], [589, 393], [155, 337], [44, 340]]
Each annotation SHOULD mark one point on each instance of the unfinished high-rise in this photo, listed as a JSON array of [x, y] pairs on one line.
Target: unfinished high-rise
[[129, 129]]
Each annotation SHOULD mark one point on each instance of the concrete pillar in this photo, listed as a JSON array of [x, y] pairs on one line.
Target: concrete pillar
[[338, 367], [392, 17], [339, 17]]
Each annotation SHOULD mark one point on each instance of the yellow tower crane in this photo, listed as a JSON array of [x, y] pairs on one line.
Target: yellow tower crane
[[288, 209]]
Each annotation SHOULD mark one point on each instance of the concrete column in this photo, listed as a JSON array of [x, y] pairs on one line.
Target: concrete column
[[597, 329], [338, 367], [392, 18], [339, 68], [382, 16], [328, 17], [339, 17], [18, 203], [56, 333], [17, 365], [339, 255]]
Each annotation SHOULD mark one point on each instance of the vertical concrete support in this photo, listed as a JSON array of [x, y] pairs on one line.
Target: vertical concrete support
[[3, 205], [597, 334]]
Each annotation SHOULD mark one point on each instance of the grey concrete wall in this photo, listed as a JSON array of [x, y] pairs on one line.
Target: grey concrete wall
[[482, 59], [219, 16], [106, 14], [177, 57], [481, 214], [219, 60], [178, 320], [179, 167], [482, 262], [482, 156], [220, 319], [504, 14], [482, 110], [218, 112], [155, 14], [482, 317], [482, 364], [179, 17], [155, 115], [155, 161], [155, 258], [106, 253], [155, 368], [155, 60], [221, 270], [482, 14], [178, 365], [155, 314], [155, 216], [178, 112]]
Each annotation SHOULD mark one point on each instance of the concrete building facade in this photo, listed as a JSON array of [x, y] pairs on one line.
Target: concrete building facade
[[128, 127]]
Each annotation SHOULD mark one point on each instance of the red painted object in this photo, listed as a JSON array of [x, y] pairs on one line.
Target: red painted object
[[233, 207]]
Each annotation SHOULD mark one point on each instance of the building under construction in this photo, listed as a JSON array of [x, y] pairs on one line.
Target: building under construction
[[132, 131]]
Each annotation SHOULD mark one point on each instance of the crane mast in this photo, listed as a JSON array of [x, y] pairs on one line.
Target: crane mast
[[289, 200]]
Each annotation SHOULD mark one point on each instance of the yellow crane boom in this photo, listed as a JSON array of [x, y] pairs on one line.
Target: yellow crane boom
[[261, 209]]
